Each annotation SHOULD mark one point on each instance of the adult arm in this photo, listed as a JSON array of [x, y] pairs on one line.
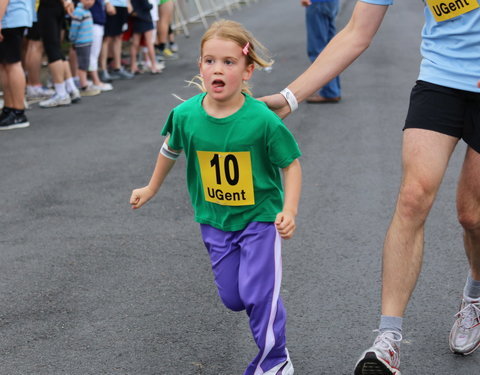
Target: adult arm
[[292, 181], [342, 50]]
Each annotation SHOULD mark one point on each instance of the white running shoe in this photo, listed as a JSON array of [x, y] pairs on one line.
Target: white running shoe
[[465, 334], [89, 91], [103, 87], [55, 101], [75, 96], [383, 358], [284, 368], [38, 93]]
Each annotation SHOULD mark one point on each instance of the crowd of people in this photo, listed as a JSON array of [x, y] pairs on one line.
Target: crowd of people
[[83, 43]]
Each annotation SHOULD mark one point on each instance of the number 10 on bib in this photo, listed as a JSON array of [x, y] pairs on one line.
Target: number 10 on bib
[[227, 177]]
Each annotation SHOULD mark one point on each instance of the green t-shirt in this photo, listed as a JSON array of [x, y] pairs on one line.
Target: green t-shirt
[[233, 174]]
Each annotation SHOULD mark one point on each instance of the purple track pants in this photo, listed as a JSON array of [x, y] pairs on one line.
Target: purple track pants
[[247, 266]]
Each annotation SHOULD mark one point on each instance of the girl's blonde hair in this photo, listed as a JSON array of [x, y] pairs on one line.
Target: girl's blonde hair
[[257, 54]]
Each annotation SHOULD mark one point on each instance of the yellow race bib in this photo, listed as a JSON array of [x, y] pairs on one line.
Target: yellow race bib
[[227, 177], [443, 10]]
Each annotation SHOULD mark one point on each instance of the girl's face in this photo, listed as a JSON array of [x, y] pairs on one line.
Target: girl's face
[[223, 67]]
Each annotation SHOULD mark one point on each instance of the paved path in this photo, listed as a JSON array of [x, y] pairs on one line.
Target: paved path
[[89, 287]]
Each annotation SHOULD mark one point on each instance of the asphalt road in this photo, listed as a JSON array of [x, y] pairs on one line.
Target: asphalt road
[[89, 287]]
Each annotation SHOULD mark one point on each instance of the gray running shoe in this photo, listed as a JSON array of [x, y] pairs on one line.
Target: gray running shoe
[[121, 74], [55, 101], [383, 358], [284, 368], [104, 76], [465, 334]]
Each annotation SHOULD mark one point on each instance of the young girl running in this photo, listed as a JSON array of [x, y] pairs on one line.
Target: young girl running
[[235, 148]]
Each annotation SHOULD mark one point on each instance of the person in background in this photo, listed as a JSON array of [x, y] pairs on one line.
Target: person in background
[[142, 27], [33, 63], [114, 26], [99, 11], [15, 16], [320, 20], [51, 17], [81, 36], [165, 9]]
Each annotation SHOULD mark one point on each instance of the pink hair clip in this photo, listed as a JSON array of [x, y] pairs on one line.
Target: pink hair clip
[[245, 49]]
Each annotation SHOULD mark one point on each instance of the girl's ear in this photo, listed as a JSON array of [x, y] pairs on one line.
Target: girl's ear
[[247, 74]]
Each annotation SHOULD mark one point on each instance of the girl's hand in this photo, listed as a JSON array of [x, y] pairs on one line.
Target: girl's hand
[[141, 196], [285, 223]]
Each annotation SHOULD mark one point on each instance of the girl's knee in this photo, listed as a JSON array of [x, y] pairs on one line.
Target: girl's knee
[[234, 304]]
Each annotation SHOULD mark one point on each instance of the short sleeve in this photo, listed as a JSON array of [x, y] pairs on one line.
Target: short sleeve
[[282, 147], [171, 128]]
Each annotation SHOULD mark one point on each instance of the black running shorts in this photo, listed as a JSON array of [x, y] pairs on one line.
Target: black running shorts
[[50, 24], [33, 32], [114, 24], [445, 110], [11, 46]]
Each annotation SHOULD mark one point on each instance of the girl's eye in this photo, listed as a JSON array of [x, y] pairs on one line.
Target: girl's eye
[[228, 62], [209, 61]]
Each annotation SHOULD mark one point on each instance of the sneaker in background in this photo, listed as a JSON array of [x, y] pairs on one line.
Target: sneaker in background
[[173, 46], [38, 93], [89, 91], [159, 66], [104, 76], [465, 334], [169, 54], [75, 96], [121, 74], [383, 358], [103, 87], [12, 120], [55, 101]]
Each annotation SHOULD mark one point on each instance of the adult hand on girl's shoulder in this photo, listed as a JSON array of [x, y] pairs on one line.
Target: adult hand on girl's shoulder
[[285, 223], [141, 196], [277, 104]]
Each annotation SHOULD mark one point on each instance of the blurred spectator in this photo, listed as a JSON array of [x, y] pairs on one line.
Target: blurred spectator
[[142, 26], [51, 16], [15, 15], [166, 14], [81, 36], [99, 12], [320, 16], [114, 27], [33, 63]]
